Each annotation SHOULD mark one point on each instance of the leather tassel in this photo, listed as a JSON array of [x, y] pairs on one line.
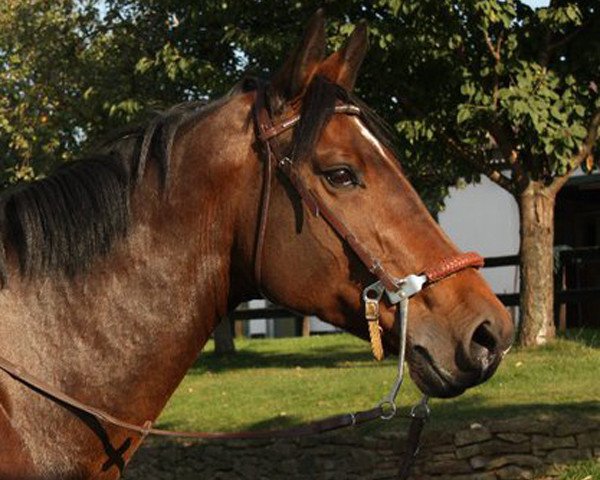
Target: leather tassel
[[375, 335]]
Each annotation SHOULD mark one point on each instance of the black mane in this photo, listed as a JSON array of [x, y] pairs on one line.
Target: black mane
[[62, 222], [318, 105]]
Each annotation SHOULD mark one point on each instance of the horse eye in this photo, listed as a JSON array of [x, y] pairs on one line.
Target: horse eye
[[341, 177]]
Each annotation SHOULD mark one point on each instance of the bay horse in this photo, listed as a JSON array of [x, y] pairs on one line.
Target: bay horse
[[116, 268]]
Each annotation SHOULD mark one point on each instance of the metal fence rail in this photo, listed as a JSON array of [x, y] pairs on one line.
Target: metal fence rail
[[269, 312]]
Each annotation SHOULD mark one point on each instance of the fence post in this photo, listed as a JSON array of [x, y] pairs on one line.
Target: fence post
[[561, 285], [306, 327], [223, 336]]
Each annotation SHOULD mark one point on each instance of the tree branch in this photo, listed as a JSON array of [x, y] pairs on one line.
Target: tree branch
[[544, 58], [552, 46], [561, 42], [479, 164], [566, 39], [500, 135], [506, 144], [494, 50], [585, 149]]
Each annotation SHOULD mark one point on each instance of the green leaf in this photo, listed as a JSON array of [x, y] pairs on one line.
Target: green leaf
[[556, 113], [464, 114], [578, 131]]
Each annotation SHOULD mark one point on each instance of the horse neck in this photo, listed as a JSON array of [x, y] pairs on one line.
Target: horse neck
[[139, 317]]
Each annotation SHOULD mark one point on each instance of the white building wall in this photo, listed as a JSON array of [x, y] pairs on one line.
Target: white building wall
[[483, 217]]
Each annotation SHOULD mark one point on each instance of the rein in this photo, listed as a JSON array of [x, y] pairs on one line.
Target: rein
[[397, 291]]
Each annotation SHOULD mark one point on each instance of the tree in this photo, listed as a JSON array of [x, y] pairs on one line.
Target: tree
[[472, 87], [484, 87], [73, 70], [512, 93]]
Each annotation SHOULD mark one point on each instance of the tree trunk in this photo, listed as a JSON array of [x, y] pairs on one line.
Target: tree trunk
[[536, 204], [306, 327], [223, 335]]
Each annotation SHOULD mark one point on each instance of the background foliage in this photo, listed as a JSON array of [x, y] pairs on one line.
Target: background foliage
[[472, 86], [444, 72]]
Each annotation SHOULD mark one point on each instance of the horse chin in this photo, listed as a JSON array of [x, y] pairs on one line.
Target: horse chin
[[435, 381], [433, 385], [430, 378]]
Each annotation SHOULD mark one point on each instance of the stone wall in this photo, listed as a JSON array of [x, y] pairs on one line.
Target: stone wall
[[493, 450], [510, 449]]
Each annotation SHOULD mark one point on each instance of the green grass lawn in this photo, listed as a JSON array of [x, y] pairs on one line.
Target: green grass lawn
[[275, 383], [589, 470]]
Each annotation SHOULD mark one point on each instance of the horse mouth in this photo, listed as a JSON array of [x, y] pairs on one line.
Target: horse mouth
[[431, 379]]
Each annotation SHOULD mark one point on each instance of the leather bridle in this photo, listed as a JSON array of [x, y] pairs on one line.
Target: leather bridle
[[266, 132], [397, 290]]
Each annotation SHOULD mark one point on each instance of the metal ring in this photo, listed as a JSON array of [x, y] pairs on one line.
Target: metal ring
[[387, 404], [373, 292], [421, 409]]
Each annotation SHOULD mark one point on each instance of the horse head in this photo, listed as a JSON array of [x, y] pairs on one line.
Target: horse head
[[458, 330]]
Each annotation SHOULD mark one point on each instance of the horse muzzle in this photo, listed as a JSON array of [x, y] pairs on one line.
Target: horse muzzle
[[444, 367]]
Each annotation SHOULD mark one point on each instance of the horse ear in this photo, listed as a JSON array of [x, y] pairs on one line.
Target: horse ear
[[342, 66], [296, 73]]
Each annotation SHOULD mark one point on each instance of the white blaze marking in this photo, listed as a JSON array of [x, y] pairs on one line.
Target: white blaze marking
[[370, 137]]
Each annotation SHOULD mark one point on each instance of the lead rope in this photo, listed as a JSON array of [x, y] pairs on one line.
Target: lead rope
[[419, 415]]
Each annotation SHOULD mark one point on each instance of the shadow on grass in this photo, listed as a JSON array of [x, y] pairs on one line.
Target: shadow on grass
[[446, 414], [333, 356], [474, 407], [315, 357], [465, 411], [172, 458], [273, 423]]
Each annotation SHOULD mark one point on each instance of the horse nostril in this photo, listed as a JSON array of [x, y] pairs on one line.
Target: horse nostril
[[483, 347], [483, 337]]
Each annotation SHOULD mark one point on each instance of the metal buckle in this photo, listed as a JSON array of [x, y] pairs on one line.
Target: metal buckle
[[407, 287], [352, 419], [285, 162], [372, 296], [373, 292]]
